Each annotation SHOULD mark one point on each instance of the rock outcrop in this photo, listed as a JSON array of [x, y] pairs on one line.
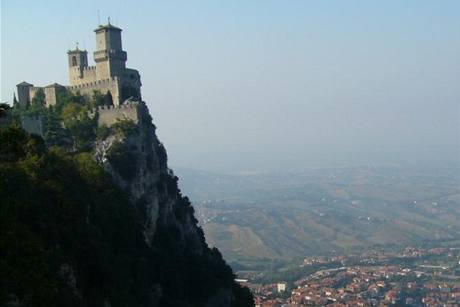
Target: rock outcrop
[[137, 161]]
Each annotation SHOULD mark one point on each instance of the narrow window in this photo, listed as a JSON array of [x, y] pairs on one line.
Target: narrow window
[[74, 61]]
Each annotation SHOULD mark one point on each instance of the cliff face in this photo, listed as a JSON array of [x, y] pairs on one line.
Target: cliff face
[[142, 171], [138, 163]]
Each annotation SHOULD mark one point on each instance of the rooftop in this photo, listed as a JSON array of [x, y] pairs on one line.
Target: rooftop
[[107, 26], [24, 83], [76, 50], [55, 85]]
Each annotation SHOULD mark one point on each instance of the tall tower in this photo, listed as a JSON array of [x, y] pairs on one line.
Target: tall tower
[[109, 56], [24, 93], [78, 60]]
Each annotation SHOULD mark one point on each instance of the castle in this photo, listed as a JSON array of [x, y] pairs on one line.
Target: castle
[[109, 75]]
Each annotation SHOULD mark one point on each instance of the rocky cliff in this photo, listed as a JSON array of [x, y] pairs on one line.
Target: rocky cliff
[[137, 161], [105, 225]]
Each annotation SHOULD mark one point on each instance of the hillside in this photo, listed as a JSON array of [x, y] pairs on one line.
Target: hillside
[[91, 215], [258, 217]]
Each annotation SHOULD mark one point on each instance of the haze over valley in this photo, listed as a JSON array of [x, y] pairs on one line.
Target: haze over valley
[[280, 216]]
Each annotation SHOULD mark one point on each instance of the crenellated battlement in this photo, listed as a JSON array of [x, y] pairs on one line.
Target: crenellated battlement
[[124, 106], [87, 68], [109, 115], [94, 84]]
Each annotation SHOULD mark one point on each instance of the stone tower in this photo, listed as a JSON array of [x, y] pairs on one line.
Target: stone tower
[[109, 75], [78, 61], [24, 93], [109, 56]]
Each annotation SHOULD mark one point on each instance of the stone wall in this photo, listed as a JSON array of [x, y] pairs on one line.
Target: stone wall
[[102, 70], [32, 91], [50, 96], [50, 91], [24, 94], [109, 115], [102, 86], [82, 74]]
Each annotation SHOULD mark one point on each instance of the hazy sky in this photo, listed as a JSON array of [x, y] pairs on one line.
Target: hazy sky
[[267, 85]]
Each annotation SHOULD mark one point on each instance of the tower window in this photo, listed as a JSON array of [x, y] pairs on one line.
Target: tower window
[[74, 61]]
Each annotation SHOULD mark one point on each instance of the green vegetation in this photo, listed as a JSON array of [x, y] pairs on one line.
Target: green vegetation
[[67, 123], [5, 106], [56, 134], [62, 218], [39, 99], [5, 117], [70, 237], [123, 160], [125, 126]]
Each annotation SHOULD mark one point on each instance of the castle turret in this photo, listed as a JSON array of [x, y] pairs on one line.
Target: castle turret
[[109, 56], [110, 73], [24, 93], [78, 60]]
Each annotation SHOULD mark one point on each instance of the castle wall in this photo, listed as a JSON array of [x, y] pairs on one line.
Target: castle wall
[[33, 90], [109, 115], [81, 75], [23, 95], [102, 70], [89, 74], [102, 86], [92, 74], [50, 96], [51, 93]]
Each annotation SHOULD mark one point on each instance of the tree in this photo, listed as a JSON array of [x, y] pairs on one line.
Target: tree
[[70, 112], [4, 107], [83, 132], [55, 134], [61, 215], [39, 98], [38, 103]]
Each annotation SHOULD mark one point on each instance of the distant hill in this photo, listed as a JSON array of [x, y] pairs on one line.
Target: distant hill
[[319, 211]]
